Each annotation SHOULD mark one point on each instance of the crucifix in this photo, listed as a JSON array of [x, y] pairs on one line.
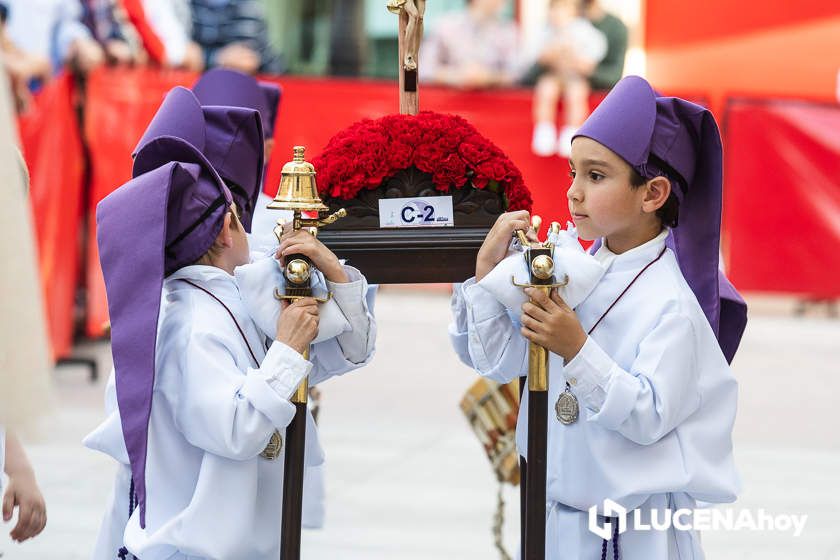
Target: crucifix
[[410, 34]]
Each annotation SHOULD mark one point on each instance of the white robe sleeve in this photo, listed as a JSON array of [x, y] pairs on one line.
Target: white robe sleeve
[[229, 414], [659, 392], [458, 334], [352, 348], [357, 344], [497, 349]]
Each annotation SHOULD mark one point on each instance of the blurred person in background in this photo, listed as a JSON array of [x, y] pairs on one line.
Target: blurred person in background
[[104, 21], [569, 51], [23, 68], [608, 72], [233, 34], [22, 493], [472, 49], [54, 30], [164, 28], [24, 366]]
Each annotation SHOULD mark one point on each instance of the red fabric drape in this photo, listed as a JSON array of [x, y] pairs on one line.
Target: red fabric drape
[[52, 148], [782, 196], [120, 104]]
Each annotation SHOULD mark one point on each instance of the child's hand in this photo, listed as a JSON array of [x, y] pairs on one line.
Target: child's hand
[[23, 493], [549, 322], [496, 244], [297, 326], [303, 242]]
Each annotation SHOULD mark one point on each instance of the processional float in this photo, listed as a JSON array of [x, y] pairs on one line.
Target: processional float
[[385, 233]]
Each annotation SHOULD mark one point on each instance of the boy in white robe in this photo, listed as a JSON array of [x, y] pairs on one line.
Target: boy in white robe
[[643, 354], [199, 395]]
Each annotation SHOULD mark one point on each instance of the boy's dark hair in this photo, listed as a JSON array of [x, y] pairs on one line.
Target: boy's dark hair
[[669, 212]]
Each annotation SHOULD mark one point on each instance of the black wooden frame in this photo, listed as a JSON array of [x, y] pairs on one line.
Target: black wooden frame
[[421, 255]]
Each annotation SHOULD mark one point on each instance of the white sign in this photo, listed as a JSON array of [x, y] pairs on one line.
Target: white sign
[[429, 211]]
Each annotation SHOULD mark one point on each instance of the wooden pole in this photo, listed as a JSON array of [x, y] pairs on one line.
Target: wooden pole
[[523, 487], [409, 86], [293, 484], [295, 437], [537, 460]]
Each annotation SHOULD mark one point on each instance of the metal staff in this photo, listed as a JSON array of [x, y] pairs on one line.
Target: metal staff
[[298, 193], [538, 257]]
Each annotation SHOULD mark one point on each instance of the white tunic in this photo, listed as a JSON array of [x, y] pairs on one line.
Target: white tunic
[[657, 402], [209, 494]]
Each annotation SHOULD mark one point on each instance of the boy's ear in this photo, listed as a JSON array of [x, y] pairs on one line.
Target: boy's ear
[[657, 191], [225, 237]]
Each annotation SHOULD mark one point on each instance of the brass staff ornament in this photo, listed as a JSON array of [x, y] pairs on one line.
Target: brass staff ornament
[[298, 192]]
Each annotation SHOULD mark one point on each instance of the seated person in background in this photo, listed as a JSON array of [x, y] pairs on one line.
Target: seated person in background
[[108, 29], [570, 47], [53, 30], [472, 49], [609, 71], [22, 67], [234, 34], [164, 28]]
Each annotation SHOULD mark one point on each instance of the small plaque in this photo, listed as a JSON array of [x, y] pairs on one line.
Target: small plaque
[[410, 80], [420, 212]]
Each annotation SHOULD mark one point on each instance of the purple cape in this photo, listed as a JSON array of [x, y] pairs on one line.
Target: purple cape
[[161, 220]]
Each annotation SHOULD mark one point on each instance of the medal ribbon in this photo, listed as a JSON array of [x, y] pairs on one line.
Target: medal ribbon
[[647, 266]]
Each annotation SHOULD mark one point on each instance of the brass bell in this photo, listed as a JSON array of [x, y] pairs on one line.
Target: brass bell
[[297, 189]]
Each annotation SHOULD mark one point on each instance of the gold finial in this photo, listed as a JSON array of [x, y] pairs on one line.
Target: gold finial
[[298, 154], [555, 227], [297, 271], [542, 267], [536, 224]]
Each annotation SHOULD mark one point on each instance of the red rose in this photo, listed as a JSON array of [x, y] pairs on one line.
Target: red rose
[[446, 146]]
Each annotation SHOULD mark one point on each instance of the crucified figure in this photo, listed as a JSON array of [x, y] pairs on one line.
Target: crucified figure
[[413, 31]]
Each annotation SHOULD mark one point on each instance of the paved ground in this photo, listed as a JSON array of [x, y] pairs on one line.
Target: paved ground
[[406, 478]]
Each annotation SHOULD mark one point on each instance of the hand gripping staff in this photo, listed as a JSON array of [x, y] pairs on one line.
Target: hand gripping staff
[[298, 193], [540, 263]]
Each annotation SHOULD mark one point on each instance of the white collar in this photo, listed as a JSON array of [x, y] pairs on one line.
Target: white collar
[[635, 257], [212, 278]]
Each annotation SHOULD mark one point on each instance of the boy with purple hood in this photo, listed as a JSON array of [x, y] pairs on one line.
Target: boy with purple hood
[[231, 88], [198, 394], [643, 359]]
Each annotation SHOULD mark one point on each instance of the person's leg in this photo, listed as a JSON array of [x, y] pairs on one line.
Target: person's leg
[[546, 96], [576, 109], [576, 101]]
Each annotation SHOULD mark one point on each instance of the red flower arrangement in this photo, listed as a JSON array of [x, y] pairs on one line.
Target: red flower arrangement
[[446, 146]]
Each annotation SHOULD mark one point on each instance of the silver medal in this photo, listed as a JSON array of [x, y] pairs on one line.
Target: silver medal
[[567, 408]]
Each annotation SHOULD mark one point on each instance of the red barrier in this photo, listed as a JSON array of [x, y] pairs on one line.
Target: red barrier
[[782, 197], [52, 148], [768, 49], [122, 102]]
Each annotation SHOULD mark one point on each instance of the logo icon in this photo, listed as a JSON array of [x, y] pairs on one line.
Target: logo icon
[[604, 529]]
